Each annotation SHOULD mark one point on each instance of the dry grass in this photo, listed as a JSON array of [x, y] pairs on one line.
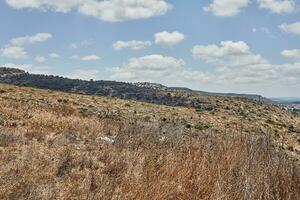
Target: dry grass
[[99, 148]]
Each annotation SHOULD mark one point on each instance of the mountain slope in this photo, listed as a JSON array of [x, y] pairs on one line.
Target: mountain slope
[[56, 145]]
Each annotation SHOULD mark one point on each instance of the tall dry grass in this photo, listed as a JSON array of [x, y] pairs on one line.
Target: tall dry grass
[[53, 152], [140, 165]]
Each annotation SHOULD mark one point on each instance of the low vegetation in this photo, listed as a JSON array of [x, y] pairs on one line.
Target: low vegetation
[[57, 145]]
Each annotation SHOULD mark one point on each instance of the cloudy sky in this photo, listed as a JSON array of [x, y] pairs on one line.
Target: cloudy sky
[[245, 46]]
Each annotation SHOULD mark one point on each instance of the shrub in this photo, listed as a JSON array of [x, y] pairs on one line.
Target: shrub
[[202, 126]]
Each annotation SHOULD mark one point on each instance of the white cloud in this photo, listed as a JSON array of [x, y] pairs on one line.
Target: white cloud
[[292, 71], [13, 52], [134, 45], [29, 68], [290, 76], [40, 59], [90, 58], [85, 74], [56, 5], [226, 75], [235, 62], [54, 55], [229, 53], [262, 29], [108, 10], [293, 28], [40, 70], [85, 58], [27, 40], [25, 67], [158, 68], [278, 6], [226, 8], [168, 39], [78, 45], [236, 66], [293, 53]]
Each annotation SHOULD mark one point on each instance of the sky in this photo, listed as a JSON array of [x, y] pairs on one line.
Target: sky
[[241, 46]]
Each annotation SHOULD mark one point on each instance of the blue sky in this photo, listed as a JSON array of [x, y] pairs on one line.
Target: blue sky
[[248, 46]]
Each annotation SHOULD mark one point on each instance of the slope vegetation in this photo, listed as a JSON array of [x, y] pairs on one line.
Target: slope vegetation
[[56, 145]]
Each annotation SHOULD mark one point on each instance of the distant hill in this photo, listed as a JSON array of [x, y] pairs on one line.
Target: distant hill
[[286, 100], [148, 92], [5, 72], [248, 96], [142, 91], [188, 90]]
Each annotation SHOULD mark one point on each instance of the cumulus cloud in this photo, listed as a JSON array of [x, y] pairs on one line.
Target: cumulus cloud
[[232, 63], [90, 58], [133, 44], [168, 39], [158, 68], [54, 55], [15, 48], [235, 62], [226, 8], [27, 40], [40, 59], [292, 71], [56, 5], [293, 28], [293, 54], [235, 65], [13, 52], [229, 53], [278, 6], [108, 10]]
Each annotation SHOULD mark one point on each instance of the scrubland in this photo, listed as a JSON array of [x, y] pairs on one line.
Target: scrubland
[[56, 145]]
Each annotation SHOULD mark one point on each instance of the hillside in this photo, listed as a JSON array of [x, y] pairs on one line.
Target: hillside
[[147, 92], [56, 145]]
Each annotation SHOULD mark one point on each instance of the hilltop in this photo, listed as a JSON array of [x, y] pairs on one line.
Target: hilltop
[[57, 145], [6, 72]]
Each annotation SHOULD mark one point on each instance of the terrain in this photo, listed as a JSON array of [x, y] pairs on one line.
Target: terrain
[[58, 145], [291, 104], [147, 92]]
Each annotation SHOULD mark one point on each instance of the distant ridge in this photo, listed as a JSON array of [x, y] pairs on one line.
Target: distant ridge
[[248, 96], [288, 100], [143, 91]]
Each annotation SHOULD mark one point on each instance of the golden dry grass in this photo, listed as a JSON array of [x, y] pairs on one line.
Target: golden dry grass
[[63, 146]]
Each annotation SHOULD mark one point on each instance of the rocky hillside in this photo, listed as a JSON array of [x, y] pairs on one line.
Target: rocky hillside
[[56, 145]]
